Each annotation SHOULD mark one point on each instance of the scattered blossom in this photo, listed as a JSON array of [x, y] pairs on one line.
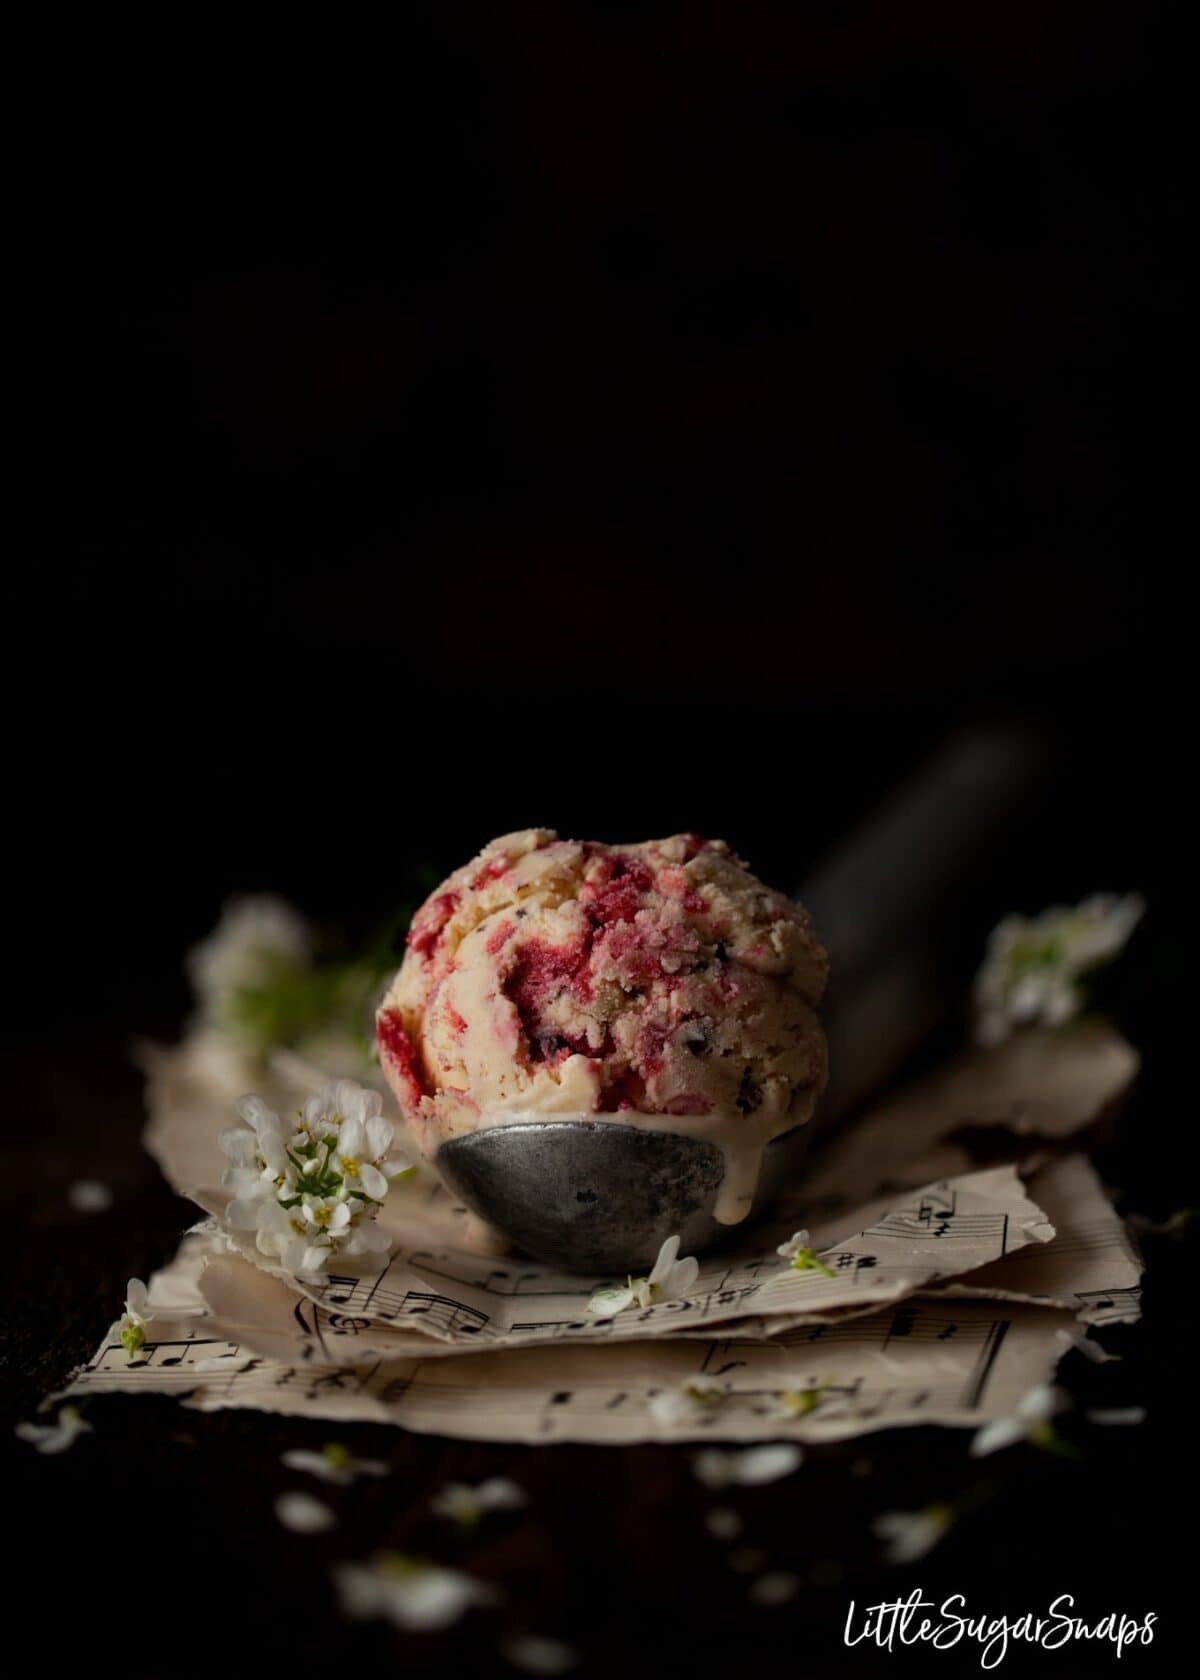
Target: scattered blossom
[[469, 1505], [669, 1278], [411, 1592], [802, 1255], [800, 1402], [303, 1514], [333, 1463], [534, 1653], [135, 1318], [750, 1467], [312, 1192], [1088, 1346], [723, 1523], [88, 1195], [1033, 966], [774, 1587], [909, 1535], [694, 1395], [747, 1560], [1174, 1225], [1030, 1421], [55, 1437]]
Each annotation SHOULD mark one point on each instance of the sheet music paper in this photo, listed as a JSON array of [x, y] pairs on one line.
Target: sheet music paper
[[1040, 1083], [957, 1363], [1092, 1264]]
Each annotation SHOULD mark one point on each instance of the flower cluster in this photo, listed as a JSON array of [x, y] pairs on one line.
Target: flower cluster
[[312, 1191], [669, 1278], [1034, 965], [257, 943]]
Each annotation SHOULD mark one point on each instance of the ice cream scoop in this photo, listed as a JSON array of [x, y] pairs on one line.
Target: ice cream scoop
[[600, 1046], [594, 1197]]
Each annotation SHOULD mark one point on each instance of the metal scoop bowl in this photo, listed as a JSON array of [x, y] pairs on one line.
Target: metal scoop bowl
[[599, 1197]]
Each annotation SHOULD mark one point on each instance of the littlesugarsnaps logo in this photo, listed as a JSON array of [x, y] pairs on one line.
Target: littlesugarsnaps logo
[[907, 1621]]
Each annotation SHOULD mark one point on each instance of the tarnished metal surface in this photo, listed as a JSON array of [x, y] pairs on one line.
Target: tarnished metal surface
[[600, 1197]]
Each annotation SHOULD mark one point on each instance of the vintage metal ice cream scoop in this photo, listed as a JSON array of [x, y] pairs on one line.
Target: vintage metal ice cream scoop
[[599, 1195]]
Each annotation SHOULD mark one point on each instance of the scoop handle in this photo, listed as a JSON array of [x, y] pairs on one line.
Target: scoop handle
[[900, 903]]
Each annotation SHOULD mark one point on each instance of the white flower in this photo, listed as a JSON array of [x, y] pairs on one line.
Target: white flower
[[88, 1195], [314, 1192], [326, 1216], [1117, 1415], [777, 1586], [55, 1437], [257, 1153], [255, 940], [411, 1592], [909, 1535], [468, 1505], [303, 1514], [536, 1654], [282, 1234], [137, 1315], [802, 1255], [694, 1395], [1088, 1346], [1029, 1422], [800, 1402], [668, 1279], [364, 1139], [333, 1464], [1034, 964], [750, 1467]]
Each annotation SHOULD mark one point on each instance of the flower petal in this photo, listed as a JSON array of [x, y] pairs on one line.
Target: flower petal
[[607, 1303], [352, 1138], [1001, 1432], [380, 1133], [373, 1182], [666, 1259], [1039, 1403], [303, 1514], [682, 1276]]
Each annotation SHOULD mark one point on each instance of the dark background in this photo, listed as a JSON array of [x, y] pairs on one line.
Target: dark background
[[625, 420]]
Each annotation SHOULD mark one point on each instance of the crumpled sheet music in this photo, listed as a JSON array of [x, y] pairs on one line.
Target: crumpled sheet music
[[1092, 1264], [947, 1295], [918, 1362], [894, 1247]]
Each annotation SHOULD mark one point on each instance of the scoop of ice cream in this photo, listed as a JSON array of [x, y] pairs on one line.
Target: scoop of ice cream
[[562, 977]]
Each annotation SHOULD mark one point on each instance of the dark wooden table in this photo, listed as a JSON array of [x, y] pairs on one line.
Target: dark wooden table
[[154, 1541]]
